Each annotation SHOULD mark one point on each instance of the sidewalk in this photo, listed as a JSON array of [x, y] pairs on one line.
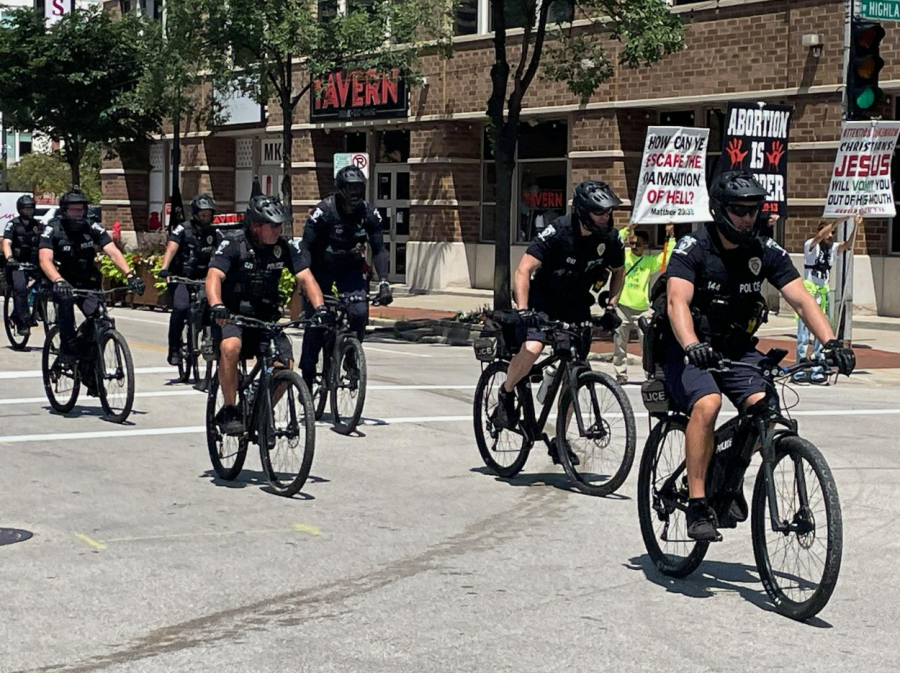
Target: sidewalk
[[876, 340]]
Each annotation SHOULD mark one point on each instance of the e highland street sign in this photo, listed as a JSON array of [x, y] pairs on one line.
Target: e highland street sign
[[880, 10]]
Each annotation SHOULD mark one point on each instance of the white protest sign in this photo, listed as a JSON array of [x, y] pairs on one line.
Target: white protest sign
[[672, 186], [358, 159], [861, 177]]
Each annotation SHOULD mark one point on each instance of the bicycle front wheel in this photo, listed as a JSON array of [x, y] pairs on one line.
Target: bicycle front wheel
[[798, 566], [287, 447], [184, 354], [663, 500], [60, 383], [605, 450], [116, 373], [348, 384], [320, 383], [17, 342]]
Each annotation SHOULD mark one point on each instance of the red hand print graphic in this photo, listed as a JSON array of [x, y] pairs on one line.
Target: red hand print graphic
[[775, 155], [734, 152]]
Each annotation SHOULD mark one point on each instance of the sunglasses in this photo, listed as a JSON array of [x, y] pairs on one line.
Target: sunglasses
[[601, 211], [742, 210]]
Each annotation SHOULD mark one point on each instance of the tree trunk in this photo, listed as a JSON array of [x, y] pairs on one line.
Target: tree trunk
[[73, 152], [287, 142], [176, 208], [504, 154]]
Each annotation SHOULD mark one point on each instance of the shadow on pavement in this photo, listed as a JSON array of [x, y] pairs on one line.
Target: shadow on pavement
[[258, 478], [557, 480], [714, 577]]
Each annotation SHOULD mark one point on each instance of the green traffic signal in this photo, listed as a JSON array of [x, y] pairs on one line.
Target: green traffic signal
[[866, 99], [863, 93]]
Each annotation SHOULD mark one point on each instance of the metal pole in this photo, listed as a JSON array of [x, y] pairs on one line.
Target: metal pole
[[842, 310]]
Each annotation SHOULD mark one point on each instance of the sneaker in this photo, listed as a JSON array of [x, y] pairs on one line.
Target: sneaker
[[818, 379], [800, 378], [506, 415], [622, 380], [229, 421], [554, 453], [67, 360], [175, 357], [701, 523], [23, 330]]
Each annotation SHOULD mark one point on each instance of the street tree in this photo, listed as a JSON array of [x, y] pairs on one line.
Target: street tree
[[567, 41], [49, 173], [279, 48], [77, 81]]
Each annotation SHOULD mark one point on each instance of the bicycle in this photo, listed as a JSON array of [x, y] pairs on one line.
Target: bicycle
[[341, 370], [277, 412], [663, 495], [40, 308], [104, 364], [599, 404], [189, 362]]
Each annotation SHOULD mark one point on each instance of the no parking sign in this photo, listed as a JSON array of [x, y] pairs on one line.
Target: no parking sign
[[358, 159]]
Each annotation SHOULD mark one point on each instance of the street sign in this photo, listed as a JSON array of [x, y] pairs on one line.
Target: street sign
[[358, 159], [880, 10]]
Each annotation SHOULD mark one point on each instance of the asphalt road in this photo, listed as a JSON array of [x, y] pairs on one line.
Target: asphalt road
[[401, 553]]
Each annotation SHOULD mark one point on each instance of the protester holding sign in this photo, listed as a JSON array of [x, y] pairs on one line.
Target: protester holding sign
[[861, 177], [819, 254], [634, 302]]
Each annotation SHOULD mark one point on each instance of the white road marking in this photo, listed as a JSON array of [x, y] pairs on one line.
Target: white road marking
[[36, 373], [197, 429], [117, 316], [385, 350], [160, 393]]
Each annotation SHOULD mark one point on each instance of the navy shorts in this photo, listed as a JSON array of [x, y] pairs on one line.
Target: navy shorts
[[252, 341], [686, 383]]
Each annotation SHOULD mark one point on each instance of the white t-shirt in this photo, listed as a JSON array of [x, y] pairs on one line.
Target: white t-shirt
[[817, 263]]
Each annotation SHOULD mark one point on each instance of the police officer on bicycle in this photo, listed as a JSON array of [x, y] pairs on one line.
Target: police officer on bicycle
[[21, 238], [714, 306], [243, 279], [67, 251], [556, 274], [190, 247], [335, 238]]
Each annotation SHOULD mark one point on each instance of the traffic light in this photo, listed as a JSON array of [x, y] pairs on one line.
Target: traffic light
[[863, 93]]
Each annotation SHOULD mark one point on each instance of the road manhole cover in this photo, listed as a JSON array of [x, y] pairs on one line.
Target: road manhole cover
[[13, 535]]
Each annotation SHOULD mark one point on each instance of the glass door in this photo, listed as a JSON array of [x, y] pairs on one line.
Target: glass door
[[392, 203]]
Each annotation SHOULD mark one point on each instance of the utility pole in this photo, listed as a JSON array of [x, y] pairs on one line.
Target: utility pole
[[842, 293]]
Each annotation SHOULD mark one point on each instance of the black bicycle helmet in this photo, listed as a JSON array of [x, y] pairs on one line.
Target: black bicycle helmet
[[73, 197], [202, 202], [351, 187], [23, 202], [266, 210], [592, 197], [731, 187]]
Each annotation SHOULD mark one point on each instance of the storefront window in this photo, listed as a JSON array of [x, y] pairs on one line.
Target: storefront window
[[328, 9], [393, 146], [540, 180], [542, 197], [466, 17], [516, 14], [356, 142]]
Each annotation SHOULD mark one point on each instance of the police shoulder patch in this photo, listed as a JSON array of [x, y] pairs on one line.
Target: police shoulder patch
[[685, 244], [770, 243], [48, 231], [224, 244], [316, 214], [98, 228], [547, 232]]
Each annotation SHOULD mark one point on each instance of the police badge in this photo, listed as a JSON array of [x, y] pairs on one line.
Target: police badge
[[755, 265]]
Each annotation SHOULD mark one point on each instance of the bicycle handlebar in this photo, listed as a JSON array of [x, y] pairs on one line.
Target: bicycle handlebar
[[770, 369], [248, 321], [186, 281], [98, 293]]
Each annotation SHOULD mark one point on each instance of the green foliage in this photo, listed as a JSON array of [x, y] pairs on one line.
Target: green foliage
[[49, 173], [137, 261], [77, 81], [287, 285]]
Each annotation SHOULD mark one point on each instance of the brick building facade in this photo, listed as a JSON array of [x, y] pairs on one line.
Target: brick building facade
[[431, 171]]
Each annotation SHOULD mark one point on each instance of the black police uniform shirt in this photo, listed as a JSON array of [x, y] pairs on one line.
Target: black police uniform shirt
[[24, 238], [336, 242], [252, 274], [74, 253], [196, 245], [570, 265], [728, 297]]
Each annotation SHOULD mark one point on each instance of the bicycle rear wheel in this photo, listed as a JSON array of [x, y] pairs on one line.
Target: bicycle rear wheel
[[606, 450], [504, 452], [184, 354], [663, 500], [348, 384], [287, 454], [17, 342], [60, 383], [226, 452], [320, 391], [116, 373], [48, 311], [798, 568]]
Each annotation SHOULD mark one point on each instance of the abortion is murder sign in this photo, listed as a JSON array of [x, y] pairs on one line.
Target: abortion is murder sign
[[756, 140]]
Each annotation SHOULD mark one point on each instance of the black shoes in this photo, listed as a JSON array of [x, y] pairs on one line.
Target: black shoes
[[229, 421], [701, 522]]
